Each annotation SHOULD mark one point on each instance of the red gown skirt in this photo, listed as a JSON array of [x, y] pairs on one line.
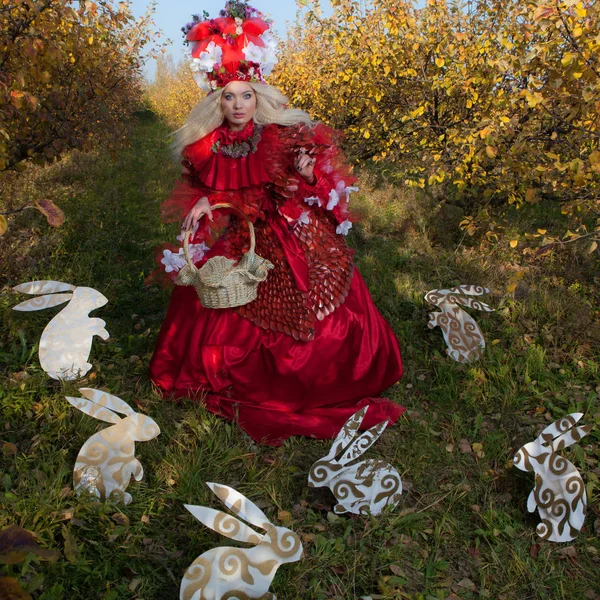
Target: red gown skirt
[[272, 385]]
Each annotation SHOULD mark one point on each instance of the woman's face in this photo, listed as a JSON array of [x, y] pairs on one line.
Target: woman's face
[[238, 104]]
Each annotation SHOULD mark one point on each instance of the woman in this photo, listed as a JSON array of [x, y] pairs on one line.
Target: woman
[[312, 348]]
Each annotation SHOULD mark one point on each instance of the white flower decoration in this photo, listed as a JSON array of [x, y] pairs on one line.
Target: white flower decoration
[[202, 81], [303, 219], [312, 201], [213, 85], [197, 251], [173, 262], [253, 53], [210, 57], [334, 200], [344, 227], [238, 21], [269, 58], [348, 190]]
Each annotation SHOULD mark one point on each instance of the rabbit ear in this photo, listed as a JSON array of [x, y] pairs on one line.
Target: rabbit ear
[[43, 287], [559, 427], [348, 431], [570, 437], [225, 524], [240, 505], [105, 399], [363, 443], [42, 302], [470, 290], [94, 410], [472, 303]]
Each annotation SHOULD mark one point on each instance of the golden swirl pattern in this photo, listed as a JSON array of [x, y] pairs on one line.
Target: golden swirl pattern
[[286, 546], [196, 577], [234, 562]]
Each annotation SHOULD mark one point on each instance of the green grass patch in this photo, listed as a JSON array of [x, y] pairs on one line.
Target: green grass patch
[[461, 529]]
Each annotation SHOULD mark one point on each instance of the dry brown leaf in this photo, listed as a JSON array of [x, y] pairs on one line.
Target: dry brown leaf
[[54, 215], [10, 589], [3, 225], [16, 543], [464, 446]]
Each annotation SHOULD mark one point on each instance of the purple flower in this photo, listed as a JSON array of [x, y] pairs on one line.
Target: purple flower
[[230, 41], [222, 13]]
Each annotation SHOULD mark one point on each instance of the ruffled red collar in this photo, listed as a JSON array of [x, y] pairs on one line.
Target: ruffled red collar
[[226, 135]]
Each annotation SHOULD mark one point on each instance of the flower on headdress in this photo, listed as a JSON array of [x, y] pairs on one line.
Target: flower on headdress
[[344, 227], [253, 53], [201, 79], [209, 58], [269, 58], [238, 21], [173, 262], [213, 85], [312, 201]]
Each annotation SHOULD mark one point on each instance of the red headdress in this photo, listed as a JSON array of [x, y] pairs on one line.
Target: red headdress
[[236, 46]]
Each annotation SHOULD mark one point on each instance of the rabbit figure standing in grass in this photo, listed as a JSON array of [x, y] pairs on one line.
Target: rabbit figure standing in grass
[[365, 487], [559, 492], [66, 341], [461, 333], [106, 462], [238, 573]]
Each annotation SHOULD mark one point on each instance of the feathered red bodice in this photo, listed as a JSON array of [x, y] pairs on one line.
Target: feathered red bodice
[[298, 225]]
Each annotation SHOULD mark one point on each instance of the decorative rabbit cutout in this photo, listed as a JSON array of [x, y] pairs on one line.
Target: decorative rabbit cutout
[[559, 493], [238, 573], [66, 341], [461, 333], [106, 462], [365, 487]]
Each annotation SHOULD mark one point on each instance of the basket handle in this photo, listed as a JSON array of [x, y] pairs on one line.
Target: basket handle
[[186, 238]]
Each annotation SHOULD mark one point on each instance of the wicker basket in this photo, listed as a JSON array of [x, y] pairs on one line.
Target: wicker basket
[[221, 283]]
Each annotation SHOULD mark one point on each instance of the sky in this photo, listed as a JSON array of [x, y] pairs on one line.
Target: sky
[[172, 15]]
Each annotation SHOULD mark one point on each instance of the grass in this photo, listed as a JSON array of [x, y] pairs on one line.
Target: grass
[[461, 529]]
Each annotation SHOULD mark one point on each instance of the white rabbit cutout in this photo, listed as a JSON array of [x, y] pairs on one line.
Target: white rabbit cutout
[[238, 573], [461, 333], [106, 462], [559, 492], [365, 487], [66, 341]]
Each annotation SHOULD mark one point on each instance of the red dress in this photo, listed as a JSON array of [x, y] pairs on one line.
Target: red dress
[[312, 348]]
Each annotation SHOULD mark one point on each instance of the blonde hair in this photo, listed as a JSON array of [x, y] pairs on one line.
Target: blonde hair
[[207, 115]]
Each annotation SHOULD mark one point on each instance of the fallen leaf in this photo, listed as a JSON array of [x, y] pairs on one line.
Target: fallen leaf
[[121, 519], [54, 215], [396, 570], [134, 584], [10, 447], [465, 584], [450, 448], [70, 548], [10, 589], [476, 508], [569, 551], [3, 225], [534, 551], [464, 446], [145, 519], [285, 516], [513, 243], [16, 543]]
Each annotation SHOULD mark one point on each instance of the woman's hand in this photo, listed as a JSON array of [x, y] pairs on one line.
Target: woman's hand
[[202, 207], [305, 165]]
